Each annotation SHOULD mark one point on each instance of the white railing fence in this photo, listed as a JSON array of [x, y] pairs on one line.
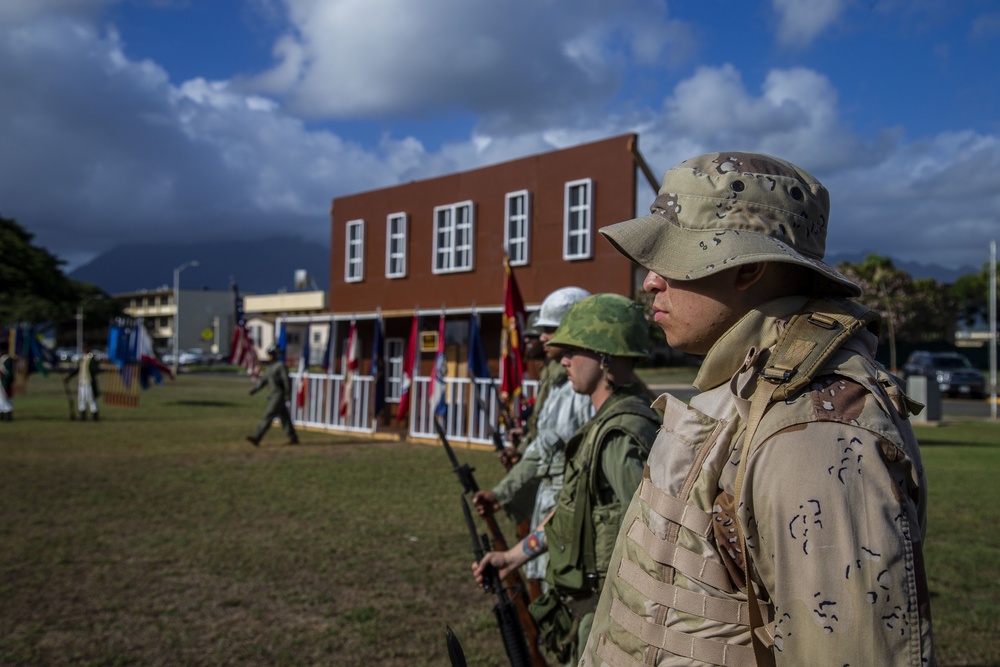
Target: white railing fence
[[471, 414]]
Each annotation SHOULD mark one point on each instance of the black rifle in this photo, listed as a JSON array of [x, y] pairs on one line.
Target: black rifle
[[455, 652], [515, 589], [505, 610], [494, 434], [523, 527]]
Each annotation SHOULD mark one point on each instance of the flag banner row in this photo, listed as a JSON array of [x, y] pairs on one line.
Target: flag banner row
[[242, 352]]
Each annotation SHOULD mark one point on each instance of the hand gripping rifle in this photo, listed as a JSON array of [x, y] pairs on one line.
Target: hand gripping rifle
[[514, 590], [505, 610]]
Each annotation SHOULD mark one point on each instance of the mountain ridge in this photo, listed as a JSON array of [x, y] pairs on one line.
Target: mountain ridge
[[267, 266], [261, 267]]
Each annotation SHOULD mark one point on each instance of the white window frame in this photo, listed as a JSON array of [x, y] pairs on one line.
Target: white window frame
[[397, 227], [454, 256], [354, 251], [578, 220], [517, 228], [394, 353]]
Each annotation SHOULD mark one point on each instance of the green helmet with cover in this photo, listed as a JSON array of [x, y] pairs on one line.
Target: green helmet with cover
[[608, 324]]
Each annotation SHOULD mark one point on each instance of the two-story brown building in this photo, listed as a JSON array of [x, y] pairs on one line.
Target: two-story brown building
[[438, 245]]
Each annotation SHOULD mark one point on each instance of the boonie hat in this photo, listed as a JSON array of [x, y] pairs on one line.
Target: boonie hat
[[721, 210]]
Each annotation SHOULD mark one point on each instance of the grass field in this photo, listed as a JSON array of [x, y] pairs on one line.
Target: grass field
[[158, 536]]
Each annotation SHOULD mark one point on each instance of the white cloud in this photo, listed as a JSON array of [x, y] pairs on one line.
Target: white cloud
[[801, 21], [111, 150], [22, 11], [389, 58]]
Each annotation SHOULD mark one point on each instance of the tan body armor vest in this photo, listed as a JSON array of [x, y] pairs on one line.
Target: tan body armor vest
[[677, 592]]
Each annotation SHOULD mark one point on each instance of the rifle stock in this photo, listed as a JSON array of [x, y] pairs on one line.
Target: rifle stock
[[513, 586]]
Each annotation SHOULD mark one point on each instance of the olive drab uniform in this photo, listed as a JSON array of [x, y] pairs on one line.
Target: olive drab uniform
[[828, 500], [604, 461], [279, 386], [531, 486]]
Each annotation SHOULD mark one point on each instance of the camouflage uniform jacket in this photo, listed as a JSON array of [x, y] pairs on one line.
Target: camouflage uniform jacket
[[279, 384], [552, 374], [834, 504], [538, 476]]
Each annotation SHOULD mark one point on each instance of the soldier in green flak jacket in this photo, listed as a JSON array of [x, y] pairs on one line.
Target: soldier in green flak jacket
[[602, 336], [783, 516], [279, 386]]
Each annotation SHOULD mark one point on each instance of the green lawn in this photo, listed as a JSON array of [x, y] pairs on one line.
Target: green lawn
[[158, 536]]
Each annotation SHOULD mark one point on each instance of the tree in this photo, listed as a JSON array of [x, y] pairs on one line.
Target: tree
[[913, 311], [971, 294], [33, 287]]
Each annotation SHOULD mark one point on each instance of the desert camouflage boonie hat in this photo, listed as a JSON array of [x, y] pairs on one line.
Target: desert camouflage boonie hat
[[606, 324], [722, 210]]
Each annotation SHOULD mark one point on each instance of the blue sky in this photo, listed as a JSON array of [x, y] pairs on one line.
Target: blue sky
[[160, 120]]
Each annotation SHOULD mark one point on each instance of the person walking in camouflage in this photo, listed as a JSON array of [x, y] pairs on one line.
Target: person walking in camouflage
[[601, 337], [783, 516], [279, 386]]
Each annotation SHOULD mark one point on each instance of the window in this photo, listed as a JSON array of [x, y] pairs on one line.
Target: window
[[577, 224], [454, 228], [395, 245], [354, 252], [394, 369], [516, 231]]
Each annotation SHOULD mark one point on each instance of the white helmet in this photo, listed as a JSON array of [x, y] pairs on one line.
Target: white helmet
[[557, 303]]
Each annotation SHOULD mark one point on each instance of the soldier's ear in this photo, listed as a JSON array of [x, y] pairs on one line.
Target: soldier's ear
[[748, 275]]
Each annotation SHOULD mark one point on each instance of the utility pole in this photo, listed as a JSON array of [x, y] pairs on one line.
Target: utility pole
[[177, 308]]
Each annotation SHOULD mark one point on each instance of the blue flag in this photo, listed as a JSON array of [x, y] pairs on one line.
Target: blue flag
[[477, 353], [328, 352], [282, 345], [378, 367]]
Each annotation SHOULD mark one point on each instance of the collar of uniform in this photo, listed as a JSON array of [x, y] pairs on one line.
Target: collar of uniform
[[758, 329]]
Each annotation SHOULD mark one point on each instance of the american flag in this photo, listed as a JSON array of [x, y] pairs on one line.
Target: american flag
[[242, 352]]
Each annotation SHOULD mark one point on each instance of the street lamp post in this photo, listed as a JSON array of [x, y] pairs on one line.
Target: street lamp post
[[177, 307], [79, 322]]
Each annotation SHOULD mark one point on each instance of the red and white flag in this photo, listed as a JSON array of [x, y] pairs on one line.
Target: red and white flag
[[512, 361], [351, 365], [409, 361], [241, 350]]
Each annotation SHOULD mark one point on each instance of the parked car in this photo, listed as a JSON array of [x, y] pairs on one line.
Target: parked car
[[194, 356], [952, 371]]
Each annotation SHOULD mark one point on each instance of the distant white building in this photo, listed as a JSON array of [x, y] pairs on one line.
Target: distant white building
[[263, 311]]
